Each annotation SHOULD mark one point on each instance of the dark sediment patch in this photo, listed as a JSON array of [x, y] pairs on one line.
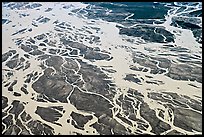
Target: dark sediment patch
[[20, 31], [42, 44], [16, 94], [40, 37], [4, 21], [27, 65], [154, 82], [134, 92], [179, 49], [124, 119], [8, 54], [91, 54], [148, 76], [8, 120], [24, 131], [102, 129], [73, 52], [132, 77], [27, 56], [70, 75], [29, 78], [177, 101], [193, 85], [44, 56], [147, 33], [183, 117], [80, 119], [185, 72], [33, 5], [48, 9], [71, 64], [187, 119], [174, 132], [88, 52], [25, 48], [115, 126], [48, 114], [4, 102], [90, 102], [109, 70], [10, 88], [163, 62], [52, 51], [55, 61], [12, 130], [25, 116], [17, 108], [36, 52], [177, 71], [53, 86], [129, 104], [44, 20], [95, 80], [146, 62], [12, 63], [31, 40], [39, 128], [187, 25], [24, 90], [157, 125]]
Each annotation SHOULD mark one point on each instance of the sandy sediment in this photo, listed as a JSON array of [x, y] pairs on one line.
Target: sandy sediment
[[130, 105]]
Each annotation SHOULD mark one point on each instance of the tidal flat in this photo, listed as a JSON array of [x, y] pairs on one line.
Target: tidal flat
[[101, 68]]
